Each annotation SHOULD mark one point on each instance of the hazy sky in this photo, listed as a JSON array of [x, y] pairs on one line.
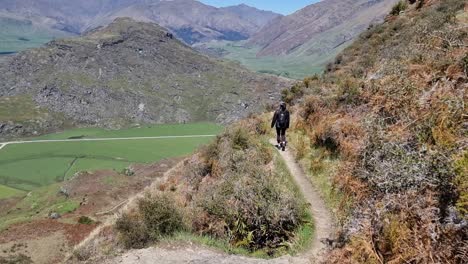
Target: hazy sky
[[284, 7]]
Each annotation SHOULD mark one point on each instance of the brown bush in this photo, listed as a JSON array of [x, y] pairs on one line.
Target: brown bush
[[155, 217], [247, 203]]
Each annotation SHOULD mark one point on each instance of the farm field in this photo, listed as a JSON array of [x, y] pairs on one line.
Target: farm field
[[29, 166]]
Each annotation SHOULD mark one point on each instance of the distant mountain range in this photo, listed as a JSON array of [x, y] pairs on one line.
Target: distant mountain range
[[302, 43], [129, 72], [319, 28], [192, 21]]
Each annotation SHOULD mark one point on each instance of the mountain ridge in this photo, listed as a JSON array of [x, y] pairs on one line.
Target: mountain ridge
[[288, 34], [190, 20]]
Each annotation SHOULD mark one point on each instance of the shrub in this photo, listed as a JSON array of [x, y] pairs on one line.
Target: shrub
[[464, 64], [156, 217], [160, 216], [247, 204], [15, 259], [133, 231], [84, 220], [240, 139], [461, 182], [399, 7]]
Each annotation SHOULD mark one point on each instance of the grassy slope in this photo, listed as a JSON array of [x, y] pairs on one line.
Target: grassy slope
[[6, 192], [44, 200], [20, 109], [389, 115], [17, 35], [28, 166]]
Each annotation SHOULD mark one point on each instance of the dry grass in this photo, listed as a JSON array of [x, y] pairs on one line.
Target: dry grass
[[391, 110]]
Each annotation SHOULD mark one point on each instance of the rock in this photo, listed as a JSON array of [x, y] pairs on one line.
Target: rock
[[54, 215]]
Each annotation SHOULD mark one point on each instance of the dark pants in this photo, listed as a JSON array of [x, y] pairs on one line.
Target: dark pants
[[280, 134]]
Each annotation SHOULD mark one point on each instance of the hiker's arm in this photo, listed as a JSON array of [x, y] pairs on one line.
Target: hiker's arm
[[273, 122]]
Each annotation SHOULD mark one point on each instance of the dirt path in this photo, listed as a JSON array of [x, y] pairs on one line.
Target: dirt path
[[322, 218], [198, 254]]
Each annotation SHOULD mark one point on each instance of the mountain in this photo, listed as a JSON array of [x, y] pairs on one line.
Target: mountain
[[303, 43], [129, 72], [190, 20], [251, 14], [321, 27], [194, 21]]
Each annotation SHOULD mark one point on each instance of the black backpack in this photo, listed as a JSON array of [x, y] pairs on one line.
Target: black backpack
[[282, 119]]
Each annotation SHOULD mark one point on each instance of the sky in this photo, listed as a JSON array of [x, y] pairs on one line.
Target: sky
[[284, 7]]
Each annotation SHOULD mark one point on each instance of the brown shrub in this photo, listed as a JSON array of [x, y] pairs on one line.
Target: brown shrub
[[155, 217]]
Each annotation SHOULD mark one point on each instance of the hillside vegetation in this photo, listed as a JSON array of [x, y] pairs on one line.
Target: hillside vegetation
[[390, 113], [236, 190]]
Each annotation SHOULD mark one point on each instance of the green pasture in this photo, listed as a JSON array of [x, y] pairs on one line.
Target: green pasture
[[6, 192], [26, 167]]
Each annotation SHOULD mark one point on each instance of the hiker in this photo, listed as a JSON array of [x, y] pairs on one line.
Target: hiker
[[281, 121]]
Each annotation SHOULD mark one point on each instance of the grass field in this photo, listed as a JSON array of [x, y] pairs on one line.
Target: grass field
[[29, 166], [291, 66]]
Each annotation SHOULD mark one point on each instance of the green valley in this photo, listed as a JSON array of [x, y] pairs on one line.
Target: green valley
[[31, 165]]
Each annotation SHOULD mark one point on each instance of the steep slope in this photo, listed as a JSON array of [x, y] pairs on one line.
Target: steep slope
[[317, 24], [258, 17], [303, 43], [68, 16], [390, 113], [191, 20], [125, 73]]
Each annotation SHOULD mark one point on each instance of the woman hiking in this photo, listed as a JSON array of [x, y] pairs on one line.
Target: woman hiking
[[281, 121]]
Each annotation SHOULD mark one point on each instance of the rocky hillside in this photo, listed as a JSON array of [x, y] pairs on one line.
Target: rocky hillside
[[129, 72], [390, 116], [190, 20], [319, 28]]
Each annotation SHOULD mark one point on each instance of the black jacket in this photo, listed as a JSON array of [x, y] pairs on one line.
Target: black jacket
[[275, 121]]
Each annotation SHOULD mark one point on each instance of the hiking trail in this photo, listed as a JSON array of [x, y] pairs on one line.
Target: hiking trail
[[194, 254]]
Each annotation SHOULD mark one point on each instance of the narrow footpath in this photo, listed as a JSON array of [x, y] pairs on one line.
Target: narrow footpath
[[195, 254]]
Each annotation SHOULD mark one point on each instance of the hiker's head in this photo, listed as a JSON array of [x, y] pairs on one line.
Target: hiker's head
[[283, 106]]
